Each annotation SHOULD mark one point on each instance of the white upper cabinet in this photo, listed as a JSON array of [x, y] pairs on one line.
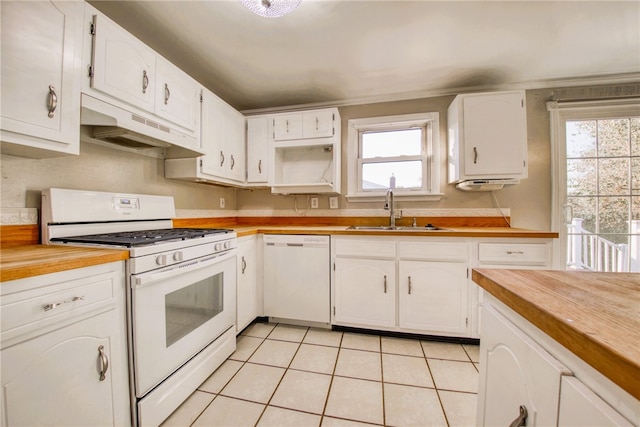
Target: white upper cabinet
[[124, 70], [41, 47], [177, 95], [123, 66], [223, 139], [258, 149], [487, 136], [304, 125]]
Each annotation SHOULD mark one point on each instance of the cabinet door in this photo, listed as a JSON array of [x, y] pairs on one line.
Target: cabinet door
[[177, 96], [495, 134], [40, 72], [223, 139], [365, 292], [257, 149], [318, 124], [515, 371], [123, 66], [54, 379], [579, 406], [288, 126], [247, 290], [434, 297]]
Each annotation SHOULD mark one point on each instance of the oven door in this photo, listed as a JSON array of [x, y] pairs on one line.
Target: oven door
[[177, 311]]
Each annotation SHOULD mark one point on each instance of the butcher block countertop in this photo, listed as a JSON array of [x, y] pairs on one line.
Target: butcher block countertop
[[18, 262], [594, 315]]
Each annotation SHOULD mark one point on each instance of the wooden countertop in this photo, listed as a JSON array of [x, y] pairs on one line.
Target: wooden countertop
[[449, 232], [594, 315], [22, 261], [18, 262]]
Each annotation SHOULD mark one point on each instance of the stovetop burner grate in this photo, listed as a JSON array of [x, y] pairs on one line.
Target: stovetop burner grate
[[132, 239]]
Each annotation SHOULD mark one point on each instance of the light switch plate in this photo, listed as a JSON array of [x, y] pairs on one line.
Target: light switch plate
[[222, 203], [333, 203], [314, 203]]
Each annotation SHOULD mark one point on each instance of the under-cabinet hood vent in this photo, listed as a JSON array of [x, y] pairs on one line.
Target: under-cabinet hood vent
[[114, 125], [485, 184]]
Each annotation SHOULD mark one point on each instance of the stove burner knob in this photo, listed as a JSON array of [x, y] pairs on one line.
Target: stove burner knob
[[227, 244], [161, 260], [178, 256], [217, 247]]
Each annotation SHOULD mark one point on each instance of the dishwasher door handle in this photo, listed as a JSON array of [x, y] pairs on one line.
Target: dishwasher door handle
[[299, 245]]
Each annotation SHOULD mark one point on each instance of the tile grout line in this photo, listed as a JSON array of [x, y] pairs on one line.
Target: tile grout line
[[283, 375], [433, 380], [335, 365]]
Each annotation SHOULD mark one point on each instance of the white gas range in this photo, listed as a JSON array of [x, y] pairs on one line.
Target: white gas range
[[181, 296]]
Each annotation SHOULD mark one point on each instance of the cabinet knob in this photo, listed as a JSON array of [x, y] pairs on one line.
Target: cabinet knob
[[521, 421], [53, 101]]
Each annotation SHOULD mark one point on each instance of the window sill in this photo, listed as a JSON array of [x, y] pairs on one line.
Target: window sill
[[417, 196]]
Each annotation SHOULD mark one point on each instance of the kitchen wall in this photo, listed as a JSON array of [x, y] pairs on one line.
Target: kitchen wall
[[102, 168], [530, 201], [106, 169]]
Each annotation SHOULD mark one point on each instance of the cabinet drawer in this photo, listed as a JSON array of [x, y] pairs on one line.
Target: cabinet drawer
[[436, 251], [513, 253], [579, 406], [382, 248], [45, 307]]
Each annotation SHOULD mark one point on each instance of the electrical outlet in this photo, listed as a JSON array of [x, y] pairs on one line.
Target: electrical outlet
[[333, 203], [221, 202], [314, 203]]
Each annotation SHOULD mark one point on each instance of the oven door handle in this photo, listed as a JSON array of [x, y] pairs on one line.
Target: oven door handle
[[144, 279]]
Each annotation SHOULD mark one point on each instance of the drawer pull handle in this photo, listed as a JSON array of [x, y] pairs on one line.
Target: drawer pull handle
[[409, 285], [104, 363], [167, 94], [53, 101], [145, 81], [244, 265], [475, 155], [53, 305], [515, 253], [385, 284], [522, 418], [221, 158], [259, 166]]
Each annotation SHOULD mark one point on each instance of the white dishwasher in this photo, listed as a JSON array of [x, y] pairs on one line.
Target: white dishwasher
[[297, 277]]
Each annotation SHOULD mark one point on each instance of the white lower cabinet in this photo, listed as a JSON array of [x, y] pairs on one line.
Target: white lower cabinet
[[64, 357], [365, 292], [248, 297], [433, 297], [515, 372], [406, 285], [521, 367]]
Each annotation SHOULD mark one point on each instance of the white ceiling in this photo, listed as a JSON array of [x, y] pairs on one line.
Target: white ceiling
[[337, 52]]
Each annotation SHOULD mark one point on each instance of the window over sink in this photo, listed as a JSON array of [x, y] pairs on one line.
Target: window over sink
[[397, 152]]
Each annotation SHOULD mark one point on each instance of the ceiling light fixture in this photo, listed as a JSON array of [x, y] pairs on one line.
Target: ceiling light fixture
[[271, 8]]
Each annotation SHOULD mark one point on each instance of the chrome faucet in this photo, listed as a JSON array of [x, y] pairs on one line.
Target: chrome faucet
[[388, 205]]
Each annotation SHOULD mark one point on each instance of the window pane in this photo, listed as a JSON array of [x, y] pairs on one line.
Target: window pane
[[613, 175], [392, 143], [635, 175], [613, 137], [635, 136], [581, 177], [581, 139], [377, 176], [584, 208], [613, 213]]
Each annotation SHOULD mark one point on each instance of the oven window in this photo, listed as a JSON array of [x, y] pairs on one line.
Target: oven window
[[188, 308]]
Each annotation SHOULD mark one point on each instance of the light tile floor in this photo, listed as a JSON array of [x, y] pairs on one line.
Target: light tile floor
[[282, 375]]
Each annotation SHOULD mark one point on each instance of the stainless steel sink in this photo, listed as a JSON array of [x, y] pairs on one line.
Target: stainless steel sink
[[397, 228]]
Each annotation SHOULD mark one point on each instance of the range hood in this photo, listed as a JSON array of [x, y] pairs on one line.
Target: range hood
[[116, 126], [485, 184]]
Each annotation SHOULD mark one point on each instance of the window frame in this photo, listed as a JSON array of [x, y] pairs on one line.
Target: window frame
[[430, 189]]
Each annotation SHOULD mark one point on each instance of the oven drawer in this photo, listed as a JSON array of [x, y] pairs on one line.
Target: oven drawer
[[37, 305]]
